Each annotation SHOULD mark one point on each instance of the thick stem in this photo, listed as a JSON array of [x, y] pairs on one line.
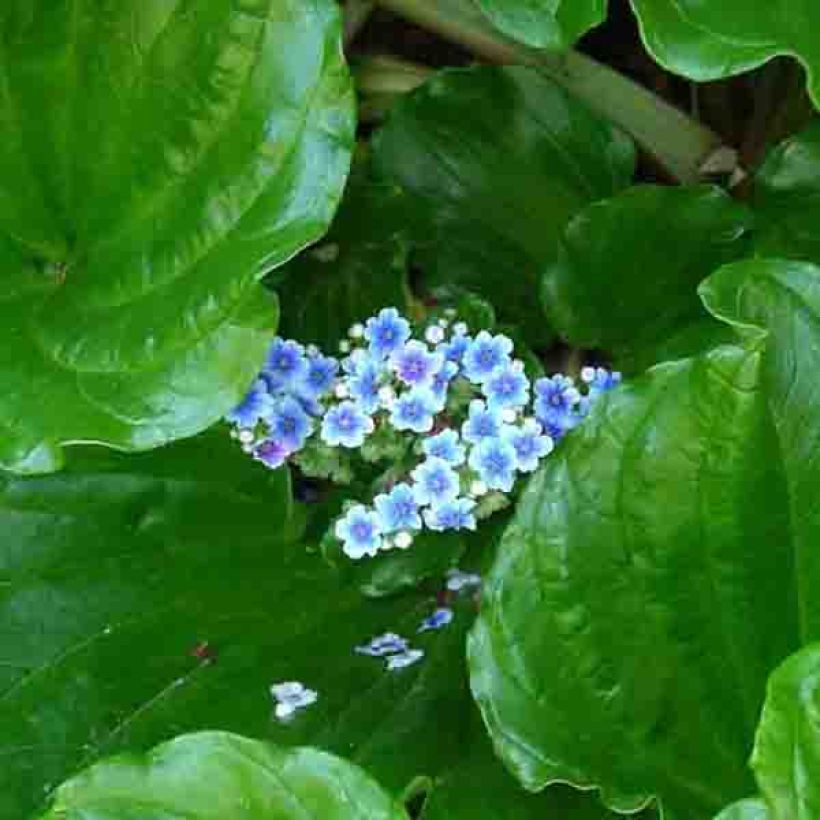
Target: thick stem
[[677, 142]]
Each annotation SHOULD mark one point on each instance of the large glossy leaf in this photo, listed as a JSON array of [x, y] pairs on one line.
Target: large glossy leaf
[[786, 197], [625, 279], [157, 158], [709, 39], [495, 161], [662, 562], [749, 809], [786, 757], [220, 775], [553, 24]]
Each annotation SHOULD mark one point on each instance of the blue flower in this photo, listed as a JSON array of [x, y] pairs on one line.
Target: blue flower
[[388, 644], [271, 453], [439, 618], [599, 379], [414, 364], [318, 377], [441, 382], [346, 424], [255, 406], [363, 385], [482, 422], [455, 349], [414, 410], [289, 423], [291, 696], [484, 354], [435, 482], [359, 530], [507, 386], [556, 404], [529, 443], [386, 332], [285, 365], [495, 460], [398, 509], [451, 515], [446, 446]]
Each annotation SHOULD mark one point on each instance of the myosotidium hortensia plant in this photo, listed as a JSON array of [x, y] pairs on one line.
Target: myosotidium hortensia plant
[[409, 409]]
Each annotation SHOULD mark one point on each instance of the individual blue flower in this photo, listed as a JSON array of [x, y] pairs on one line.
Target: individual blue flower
[[388, 644], [455, 348], [530, 444], [255, 406], [364, 383], [482, 422], [484, 354], [556, 404], [346, 425], [599, 379], [441, 382], [285, 365], [271, 453], [386, 332], [435, 482], [447, 446], [318, 377], [359, 530], [415, 364], [507, 386], [290, 696], [451, 515], [398, 509], [414, 410], [439, 618], [495, 460], [289, 423]]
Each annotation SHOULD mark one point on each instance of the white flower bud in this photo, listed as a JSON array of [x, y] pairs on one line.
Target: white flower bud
[[478, 488], [434, 334], [341, 391], [356, 331], [246, 436], [588, 374], [444, 323], [403, 540], [344, 346], [509, 415], [460, 329], [387, 395]]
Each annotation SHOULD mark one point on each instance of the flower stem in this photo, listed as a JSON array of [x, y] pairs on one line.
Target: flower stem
[[677, 142]]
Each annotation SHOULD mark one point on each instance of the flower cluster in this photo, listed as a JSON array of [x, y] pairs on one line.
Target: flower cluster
[[472, 419]]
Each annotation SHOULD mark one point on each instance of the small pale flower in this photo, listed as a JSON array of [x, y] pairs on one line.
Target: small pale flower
[[388, 644], [439, 618], [507, 388], [414, 364], [530, 444], [451, 515], [495, 461], [398, 509], [403, 540], [346, 425], [290, 696], [484, 354], [285, 365], [435, 333], [271, 453], [407, 658], [246, 437], [290, 424], [344, 346], [386, 332], [254, 407], [356, 331], [414, 410], [446, 446], [458, 580], [359, 530], [341, 391], [482, 422], [478, 488], [435, 482]]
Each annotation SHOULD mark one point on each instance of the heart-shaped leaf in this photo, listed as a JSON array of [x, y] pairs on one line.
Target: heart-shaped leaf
[[662, 562], [709, 39], [156, 159], [552, 24], [626, 275], [219, 775], [495, 161]]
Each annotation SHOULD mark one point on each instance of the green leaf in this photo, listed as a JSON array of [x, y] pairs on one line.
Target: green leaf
[[495, 161], [157, 158], [662, 562], [786, 197], [626, 276], [553, 24], [225, 776], [749, 809], [786, 756], [710, 39], [359, 268]]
